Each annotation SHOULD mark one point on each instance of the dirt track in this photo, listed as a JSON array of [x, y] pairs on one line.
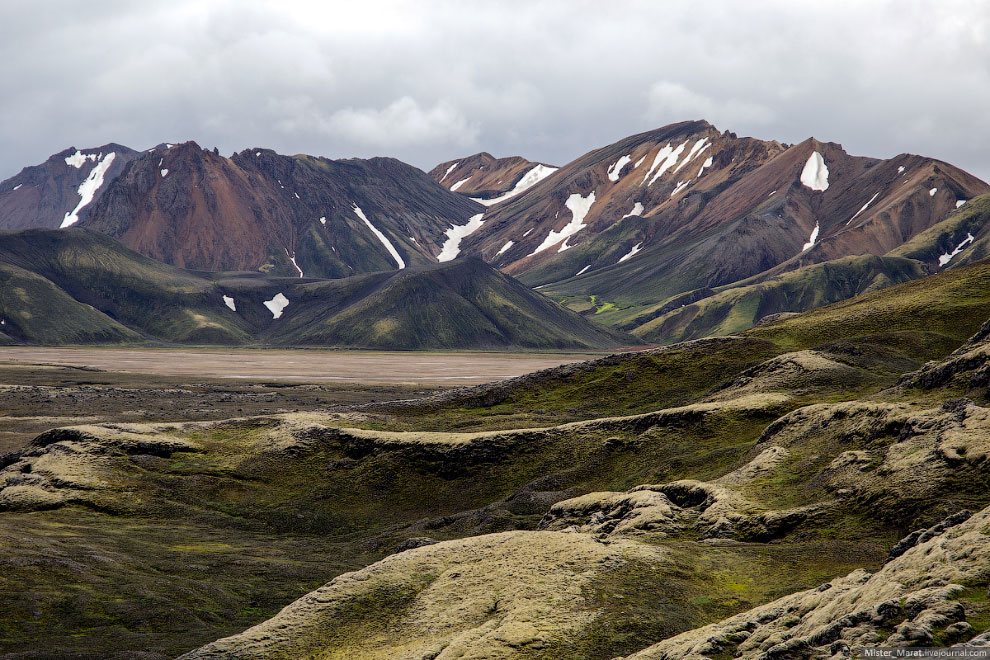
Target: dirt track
[[300, 366]]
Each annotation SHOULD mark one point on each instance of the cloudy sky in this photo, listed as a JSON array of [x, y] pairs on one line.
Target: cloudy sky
[[432, 80]]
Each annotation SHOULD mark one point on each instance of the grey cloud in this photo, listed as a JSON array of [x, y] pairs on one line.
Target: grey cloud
[[431, 81]]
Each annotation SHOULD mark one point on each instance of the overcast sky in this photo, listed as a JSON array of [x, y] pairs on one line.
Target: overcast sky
[[432, 80]]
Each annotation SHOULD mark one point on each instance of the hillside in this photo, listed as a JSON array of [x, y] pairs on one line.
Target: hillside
[[686, 500], [61, 190], [257, 210], [490, 180], [687, 210], [79, 286]]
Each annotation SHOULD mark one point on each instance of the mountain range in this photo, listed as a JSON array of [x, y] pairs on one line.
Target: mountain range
[[680, 232]]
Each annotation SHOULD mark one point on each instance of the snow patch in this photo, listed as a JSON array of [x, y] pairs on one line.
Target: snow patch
[[21, 184], [863, 208], [229, 302], [505, 248], [958, 202], [292, 258], [811, 240], [530, 179], [381, 237], [323, 220], [772, 193], [579, 207], [87, 189], [681, 185], [449, 170], [631, 253], [931, 193], [613, 172], [258, 154], [297, 195], [79, 159], [900, 169], [708, 163], [528, 232], [637, 209], [815, 173], [277, 305], [164, 172], [664, 160], [947, 257], [452, 246], [582, 270], [459, 184], [698, 147]]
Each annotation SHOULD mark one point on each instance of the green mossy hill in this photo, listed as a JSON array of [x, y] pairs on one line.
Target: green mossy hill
[[77, 286], [463, 303]]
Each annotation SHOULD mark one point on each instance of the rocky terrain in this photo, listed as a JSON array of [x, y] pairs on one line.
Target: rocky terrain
[[814, 484]]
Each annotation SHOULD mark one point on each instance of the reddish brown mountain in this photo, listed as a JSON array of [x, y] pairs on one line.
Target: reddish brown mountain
[[62, 189], [688, 208], [489, 179], [293, 215]]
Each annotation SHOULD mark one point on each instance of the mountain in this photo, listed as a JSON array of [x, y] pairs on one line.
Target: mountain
[[490, 180], [61, 190], [79, 286], [288, 215], [686, 208], [258, 210]]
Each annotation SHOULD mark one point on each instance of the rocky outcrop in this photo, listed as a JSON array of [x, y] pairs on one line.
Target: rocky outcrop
[[909, 601]]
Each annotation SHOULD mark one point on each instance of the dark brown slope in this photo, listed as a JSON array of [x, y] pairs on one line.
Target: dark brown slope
[[44, 195], [482, 175], [259, 210]]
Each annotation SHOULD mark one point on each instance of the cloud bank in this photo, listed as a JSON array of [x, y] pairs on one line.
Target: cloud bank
[[550, 80]]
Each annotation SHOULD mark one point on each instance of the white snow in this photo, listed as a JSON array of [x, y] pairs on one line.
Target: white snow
[[815, 173], [772, 194], [160, 161], [613, 172], [932, 192], [292, 258], [637, 209], [947, 257], [958, 202], [277, 305], [530, 179], [297, 195], [900, 169], [698, 147], [639, 162], [258, 154], [664, 160], [449, 170], [164, 172], [863, 208], [21, 184], [323, 220], [87, 189], [582, 270], [528, 232], [381, 237], [579, 207], [169, 146], [452, 246], [505, 248], [631, 253], [812, 239], [708, 163], [229, 302], [78, 159], [681, 185], [458, 184]]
